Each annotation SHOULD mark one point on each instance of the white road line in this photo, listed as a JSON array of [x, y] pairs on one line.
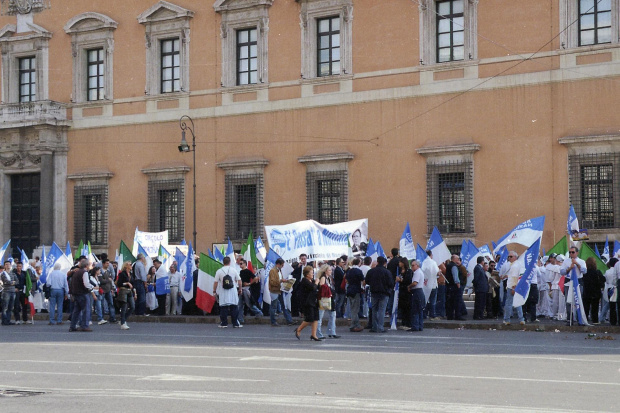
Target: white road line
[[161, 377], [310, 402], [251, 358], [331, 371]]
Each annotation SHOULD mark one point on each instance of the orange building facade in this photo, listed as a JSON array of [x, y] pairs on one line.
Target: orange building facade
[[467, 115]]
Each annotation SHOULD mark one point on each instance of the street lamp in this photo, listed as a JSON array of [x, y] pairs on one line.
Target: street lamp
[[184, 147]]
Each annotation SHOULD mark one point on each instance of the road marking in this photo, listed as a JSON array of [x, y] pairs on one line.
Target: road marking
[[310, 402], [331, 371], [177, 377], [268, 358]]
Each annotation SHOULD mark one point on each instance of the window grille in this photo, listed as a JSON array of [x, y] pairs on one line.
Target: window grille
[[450, 31], [167, 208], [328, 46], [244, 205], [170, 66], [95, 87], [91, 214], [593, 189], [450, 205], [247, 56], [327, 196], [28, 79], [594, 22]]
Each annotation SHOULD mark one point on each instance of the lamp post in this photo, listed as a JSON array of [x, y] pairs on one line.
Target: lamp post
[[184, 147]]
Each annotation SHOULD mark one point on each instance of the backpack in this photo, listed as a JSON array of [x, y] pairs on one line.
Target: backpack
[[227, 282]]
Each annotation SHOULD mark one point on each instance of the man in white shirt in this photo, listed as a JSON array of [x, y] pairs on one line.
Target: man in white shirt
[[174, 277], [227, 286], [511, 283], [431, 272], [417, 297], [572, 263]]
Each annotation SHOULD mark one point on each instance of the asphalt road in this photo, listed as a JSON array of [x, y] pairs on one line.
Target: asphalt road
[[186, 367]]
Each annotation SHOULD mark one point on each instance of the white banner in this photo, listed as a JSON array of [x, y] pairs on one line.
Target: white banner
[[320, 242], [150, 242]]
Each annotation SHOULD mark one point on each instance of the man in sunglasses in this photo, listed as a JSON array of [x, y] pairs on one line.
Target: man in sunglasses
[[513, 278], [572, 263]]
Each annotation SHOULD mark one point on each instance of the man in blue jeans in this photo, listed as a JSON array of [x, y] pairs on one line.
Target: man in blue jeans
[[80, 289], [59, 289], [381, 283]]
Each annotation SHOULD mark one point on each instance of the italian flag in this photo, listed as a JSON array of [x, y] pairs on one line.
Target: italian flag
[[206, 277], [248, 250]]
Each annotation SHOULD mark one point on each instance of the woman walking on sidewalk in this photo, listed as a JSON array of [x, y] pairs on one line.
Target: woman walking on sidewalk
[[309, 302]]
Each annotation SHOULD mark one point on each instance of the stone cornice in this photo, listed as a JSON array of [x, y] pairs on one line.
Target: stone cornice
[[328, 157], [165, 169], [463, 149], [243, 163], [90, 175], [588, 140]]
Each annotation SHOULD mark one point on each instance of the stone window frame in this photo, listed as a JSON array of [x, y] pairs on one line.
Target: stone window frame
[[243, 172], [91, 31], [584, 150], [311, 12], [569, 25], [14, 45], [91, 183], [428, 32], [325, 167], [162, 177], [165, 21], [459, 158], [237, 15]]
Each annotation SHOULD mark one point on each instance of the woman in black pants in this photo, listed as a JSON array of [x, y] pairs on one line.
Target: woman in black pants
[[309, 302], [593, 283], [404, 296]]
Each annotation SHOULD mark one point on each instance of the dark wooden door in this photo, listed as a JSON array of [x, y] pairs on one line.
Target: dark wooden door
[[25, 203]]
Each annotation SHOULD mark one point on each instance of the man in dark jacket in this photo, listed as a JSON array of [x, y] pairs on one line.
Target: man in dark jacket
[[381, 284], [355, 280], [341, 297], [392, 266], [481, 288]]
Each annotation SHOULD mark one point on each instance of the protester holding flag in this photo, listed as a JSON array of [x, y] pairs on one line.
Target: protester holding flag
[[309, 303], [593, 283], [610, 294], [512, 280], [579, 265], [248, 279]]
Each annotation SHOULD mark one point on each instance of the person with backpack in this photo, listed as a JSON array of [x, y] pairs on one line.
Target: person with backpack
[[227, 286]]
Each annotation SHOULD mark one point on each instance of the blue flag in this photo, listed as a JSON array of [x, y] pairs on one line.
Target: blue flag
[[68, 250], [179, 257], [162, 285], [380, 251], [420, 254], [270, 262], [48, 265], [464, 248], [526, 233], [606, 249], [189, 267], [572, 225], [616, 247], [24, 259], [503, 256], [406, 244], [210, 254], [438, 247], [370, 251], [218, 255], [598, 254], [183, 242], [43, 277], [577, 302], [229, 249], [522, 289]]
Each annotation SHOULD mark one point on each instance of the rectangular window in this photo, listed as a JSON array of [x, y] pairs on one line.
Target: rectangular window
[[450, 31], [244, 205], [328, 46], [91, 214], [170, 66], [450, 205], [245, 214], [327, 196], [27, 79], [597, 195], [451, 201], [166, 208], [247, 57], [594, 22], [593, 189], [95, 74], [329, 201]]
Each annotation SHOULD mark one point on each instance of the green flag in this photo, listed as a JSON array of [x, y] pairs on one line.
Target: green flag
[[78, 252], [560, 248], [586, 252], [126, 253]]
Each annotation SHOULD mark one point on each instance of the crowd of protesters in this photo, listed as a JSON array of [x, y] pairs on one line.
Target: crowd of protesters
[[357, 289]]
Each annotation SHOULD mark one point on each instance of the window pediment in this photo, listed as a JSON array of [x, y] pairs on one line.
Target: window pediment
[[163, 11], [90, 21], [229, 5], [9, 32]]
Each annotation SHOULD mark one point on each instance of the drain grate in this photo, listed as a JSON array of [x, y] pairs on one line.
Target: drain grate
[[19, 393]]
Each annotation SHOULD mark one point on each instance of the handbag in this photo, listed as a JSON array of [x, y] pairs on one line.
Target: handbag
[[325, 303], [122, 294]]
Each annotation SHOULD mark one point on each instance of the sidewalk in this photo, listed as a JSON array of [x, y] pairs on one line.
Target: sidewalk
[[544, 325]]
